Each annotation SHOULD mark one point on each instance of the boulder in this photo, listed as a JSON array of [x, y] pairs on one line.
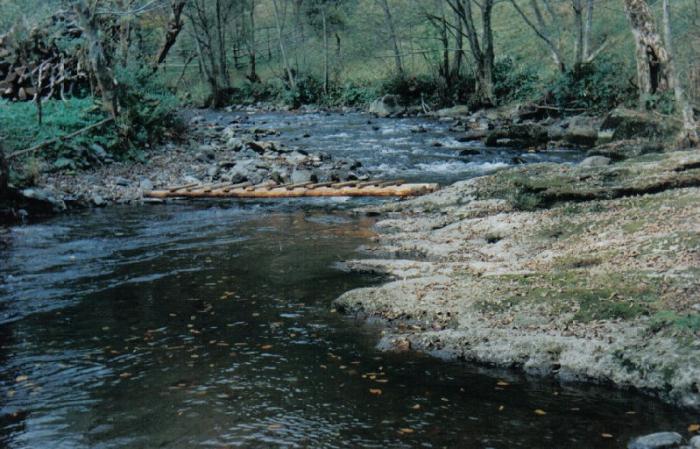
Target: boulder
[[146, 185], [622, 123], [455, 111], [385, 106], [300, 175], [43, 200], [660, 440], [595, 161], [695, 442], [625, 149], [524, 135], [206, 154], [581, 131]]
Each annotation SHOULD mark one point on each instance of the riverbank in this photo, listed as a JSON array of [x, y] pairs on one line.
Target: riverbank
[[579, 272]]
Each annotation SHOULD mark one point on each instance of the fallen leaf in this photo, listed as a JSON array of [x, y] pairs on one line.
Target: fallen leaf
[[265, 347], [406, 430], [502, 383], [693, 428], [21, 378], [375, 391], [540, 412], [416, 407], [606, 435]]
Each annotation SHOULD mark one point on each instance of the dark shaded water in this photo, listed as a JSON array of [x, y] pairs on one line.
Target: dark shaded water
[[210, 325]]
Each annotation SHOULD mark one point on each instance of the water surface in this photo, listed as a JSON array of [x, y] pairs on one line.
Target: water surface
[[209, 324]]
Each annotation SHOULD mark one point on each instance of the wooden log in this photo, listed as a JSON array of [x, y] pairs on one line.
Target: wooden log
[[402, 190], [185, 186]]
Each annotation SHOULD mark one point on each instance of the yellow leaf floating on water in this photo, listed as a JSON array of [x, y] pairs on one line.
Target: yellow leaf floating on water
[[21, 378], [606, 435], [502, 383], [540, 412], [265, 347], [406, 430], [375, 391], [693, 428], [416, 407], [274, 427]]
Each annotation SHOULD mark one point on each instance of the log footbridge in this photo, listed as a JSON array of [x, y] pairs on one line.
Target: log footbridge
[[308, 189]]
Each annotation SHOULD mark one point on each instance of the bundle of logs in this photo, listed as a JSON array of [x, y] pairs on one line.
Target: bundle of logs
[[37, 62], [271, 189]]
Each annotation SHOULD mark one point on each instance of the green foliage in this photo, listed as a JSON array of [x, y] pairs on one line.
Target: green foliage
[[664, 102], [596, 86], [148, 111], [148, 115], [20, 129], [513, 82]]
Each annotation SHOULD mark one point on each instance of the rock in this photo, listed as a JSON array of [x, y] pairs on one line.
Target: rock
[[206, 154], [385, 106], [625, 149], [469, 152], [622, 123], [97, 200], [418, 129], [660, 440], [455, 111], [146, 185], [99, 151], [524, 135], [212, 171], [582, 131], [234, 144], [122, 182], [299, 176], [695, 442], [595, 161], [474, 134], [43, 199]]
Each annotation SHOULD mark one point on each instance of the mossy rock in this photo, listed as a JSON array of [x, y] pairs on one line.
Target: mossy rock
[[622, 123], [517, 136]]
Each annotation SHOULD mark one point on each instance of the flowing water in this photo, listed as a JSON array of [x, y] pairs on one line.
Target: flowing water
[[209, 324]]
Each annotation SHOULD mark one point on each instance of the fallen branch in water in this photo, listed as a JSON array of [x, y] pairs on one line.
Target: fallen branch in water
[[60, 138]]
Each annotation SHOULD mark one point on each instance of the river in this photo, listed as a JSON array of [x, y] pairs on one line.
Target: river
[[209, 324]]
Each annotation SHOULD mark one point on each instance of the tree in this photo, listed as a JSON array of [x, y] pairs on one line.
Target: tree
[[209, 22], [690, 130], [389, 22], [548, 24], [279, 23], [482, 50], [101, 70]]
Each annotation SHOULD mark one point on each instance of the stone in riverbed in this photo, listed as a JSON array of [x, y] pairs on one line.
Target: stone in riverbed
[[660, 440], [44, 199], [695, 442], [146, 184], [595, 161], [299, 176], [385, 106]]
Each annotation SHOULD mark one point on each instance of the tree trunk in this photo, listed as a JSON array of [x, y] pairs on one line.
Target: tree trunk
[[392, 35], [325, 50], [588, 30], [690, 131], [488, 89], [175, 25], [98, 63], [540, 29], [577, 6], [652, 57], [253, 76], [283, 50]]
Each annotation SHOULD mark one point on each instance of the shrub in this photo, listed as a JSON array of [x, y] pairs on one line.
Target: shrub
[[596, 86], [513, 83]]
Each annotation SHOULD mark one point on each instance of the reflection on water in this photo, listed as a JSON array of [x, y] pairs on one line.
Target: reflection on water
[[210, 325]]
